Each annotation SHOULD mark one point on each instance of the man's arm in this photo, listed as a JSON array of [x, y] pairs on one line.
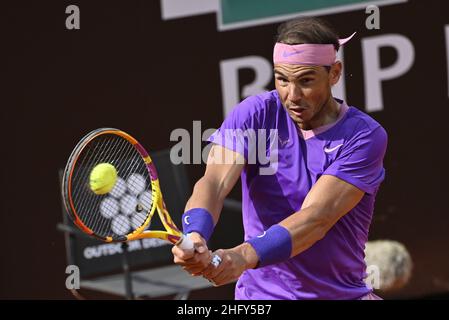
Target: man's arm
[[328, 200], [222, 172]]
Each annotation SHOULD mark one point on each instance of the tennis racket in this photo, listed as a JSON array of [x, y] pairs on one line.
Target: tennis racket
[[124, 213]]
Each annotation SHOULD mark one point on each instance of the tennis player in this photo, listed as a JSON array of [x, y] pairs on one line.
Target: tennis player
[[306, 221]]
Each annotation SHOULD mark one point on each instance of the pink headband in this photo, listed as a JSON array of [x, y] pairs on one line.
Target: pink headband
[[307, 54]]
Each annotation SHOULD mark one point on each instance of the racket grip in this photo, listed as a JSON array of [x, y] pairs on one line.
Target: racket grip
[[186, 243]]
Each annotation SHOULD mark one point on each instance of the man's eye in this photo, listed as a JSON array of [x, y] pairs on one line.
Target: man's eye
[[283, 80], [306, 80]]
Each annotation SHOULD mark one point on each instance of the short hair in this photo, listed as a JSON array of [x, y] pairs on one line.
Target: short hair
[[307, 30]]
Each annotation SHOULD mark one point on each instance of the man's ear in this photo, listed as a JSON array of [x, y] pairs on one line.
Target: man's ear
[[335, 73]]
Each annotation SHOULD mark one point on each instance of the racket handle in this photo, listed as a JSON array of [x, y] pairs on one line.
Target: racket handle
[[186, 243]]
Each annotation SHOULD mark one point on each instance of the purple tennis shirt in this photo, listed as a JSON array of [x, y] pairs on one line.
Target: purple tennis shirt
[[282, 166]]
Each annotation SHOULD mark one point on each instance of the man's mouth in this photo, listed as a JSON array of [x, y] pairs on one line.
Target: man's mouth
[[298, 111]]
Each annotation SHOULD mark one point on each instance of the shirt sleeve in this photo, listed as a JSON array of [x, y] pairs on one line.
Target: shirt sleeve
[[238, 131], [361, 161]]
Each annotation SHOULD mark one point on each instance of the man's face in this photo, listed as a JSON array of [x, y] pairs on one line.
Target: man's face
[[305, 90]]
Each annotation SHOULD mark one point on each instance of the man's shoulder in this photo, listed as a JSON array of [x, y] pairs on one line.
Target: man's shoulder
[[259, 101], [256, 107], [361, 122]]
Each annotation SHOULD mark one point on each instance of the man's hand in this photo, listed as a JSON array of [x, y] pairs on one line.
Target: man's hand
[[234, 262], [194, 262]]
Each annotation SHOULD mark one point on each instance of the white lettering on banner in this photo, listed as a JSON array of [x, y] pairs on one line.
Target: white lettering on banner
[[153, 243], [446, 32], [102, 250], [229, 72], [134, 245], [237, 14], [171, 9], [110, 249], [374, 74]]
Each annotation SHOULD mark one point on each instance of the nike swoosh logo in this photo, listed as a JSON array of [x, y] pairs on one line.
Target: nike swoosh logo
[[286, 54], [262, 235], [327, 150], [186, 221], [283, 142]]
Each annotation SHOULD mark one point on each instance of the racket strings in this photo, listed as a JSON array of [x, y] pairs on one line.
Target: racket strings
[[134, 203], [121, 148], [127, 206], [103, 224], [128, 203], [83, 183], [136, 184], [92, 154], [80, 177], [76, 175], [119, 223]]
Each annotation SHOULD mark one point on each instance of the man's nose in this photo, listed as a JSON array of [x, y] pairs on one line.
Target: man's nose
[[294, 92]]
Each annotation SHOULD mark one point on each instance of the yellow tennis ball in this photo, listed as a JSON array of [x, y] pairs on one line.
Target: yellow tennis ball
[[102, 178]]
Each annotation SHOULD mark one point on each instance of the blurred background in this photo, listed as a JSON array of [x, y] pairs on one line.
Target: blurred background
[[150, 67]]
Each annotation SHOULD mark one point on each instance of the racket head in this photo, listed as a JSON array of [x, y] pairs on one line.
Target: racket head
[[126, 211]]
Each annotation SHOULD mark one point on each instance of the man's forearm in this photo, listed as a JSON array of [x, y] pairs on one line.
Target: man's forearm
[[290, 237], [328, 200], [207, 194], [210, 191], [306, 227]]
